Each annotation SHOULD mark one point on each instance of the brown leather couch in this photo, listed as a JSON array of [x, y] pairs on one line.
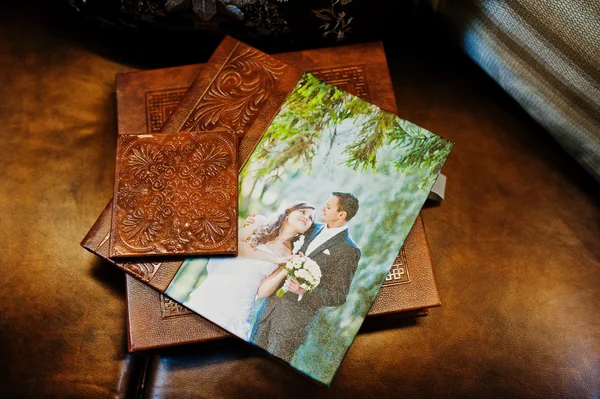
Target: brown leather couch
[[516, 244]]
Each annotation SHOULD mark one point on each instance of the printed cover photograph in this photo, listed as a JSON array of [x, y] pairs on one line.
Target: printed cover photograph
[[326, 201]]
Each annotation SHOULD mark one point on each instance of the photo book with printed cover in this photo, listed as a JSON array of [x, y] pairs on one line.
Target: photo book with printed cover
[[329, 188]]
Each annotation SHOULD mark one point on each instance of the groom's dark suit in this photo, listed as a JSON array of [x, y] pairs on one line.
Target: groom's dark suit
[[282, 323]]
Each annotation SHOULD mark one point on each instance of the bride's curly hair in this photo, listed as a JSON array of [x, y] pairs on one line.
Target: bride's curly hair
[[270, 230]]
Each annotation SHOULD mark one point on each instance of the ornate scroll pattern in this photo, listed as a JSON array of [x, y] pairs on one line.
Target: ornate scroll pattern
[[169, 308], [143, 271], [166, 202], [398, 274], [161, 103], [235, 97]]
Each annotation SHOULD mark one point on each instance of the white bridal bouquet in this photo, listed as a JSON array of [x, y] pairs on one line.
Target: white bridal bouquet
[[305, 270]]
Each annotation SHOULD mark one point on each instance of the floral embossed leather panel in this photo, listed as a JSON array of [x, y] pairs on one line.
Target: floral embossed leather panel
[[176, 194]]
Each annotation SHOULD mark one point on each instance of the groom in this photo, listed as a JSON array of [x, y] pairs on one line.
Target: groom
[[282, 323]]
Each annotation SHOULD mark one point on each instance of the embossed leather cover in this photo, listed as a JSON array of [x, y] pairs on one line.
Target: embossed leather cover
[[176, 194], [241, 89], [145, 99], [266, 83]]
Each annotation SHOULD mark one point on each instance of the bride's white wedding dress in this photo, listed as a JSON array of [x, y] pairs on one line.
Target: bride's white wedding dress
[[227, 295]]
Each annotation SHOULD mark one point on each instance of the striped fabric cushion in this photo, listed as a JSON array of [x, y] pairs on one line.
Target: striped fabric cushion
[[544, 54]]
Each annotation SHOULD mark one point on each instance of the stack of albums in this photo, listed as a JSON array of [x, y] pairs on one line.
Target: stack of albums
[[269, 202]]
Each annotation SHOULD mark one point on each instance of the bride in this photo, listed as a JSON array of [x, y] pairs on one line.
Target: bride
[[228, 294]]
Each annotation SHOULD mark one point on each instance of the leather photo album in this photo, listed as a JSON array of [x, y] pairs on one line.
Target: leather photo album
[[329, 188], [145, 99]]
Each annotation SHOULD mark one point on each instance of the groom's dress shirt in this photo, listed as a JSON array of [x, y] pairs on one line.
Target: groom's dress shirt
[[323, 236]]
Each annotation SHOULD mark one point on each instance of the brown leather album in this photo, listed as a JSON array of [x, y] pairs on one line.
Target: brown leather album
[[145, 99], [294, 130]]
